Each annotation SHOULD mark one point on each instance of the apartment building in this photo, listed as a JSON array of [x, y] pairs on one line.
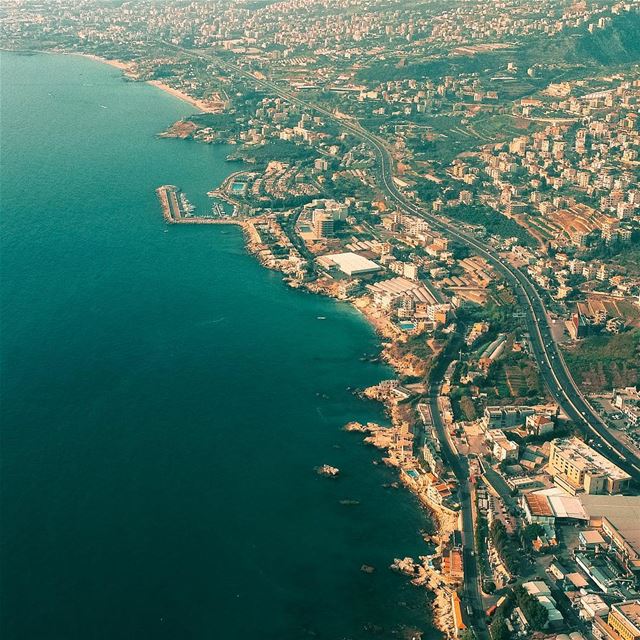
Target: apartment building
[[623, 622]]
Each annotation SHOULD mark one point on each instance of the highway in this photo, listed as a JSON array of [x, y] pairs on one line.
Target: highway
[[552, 366]]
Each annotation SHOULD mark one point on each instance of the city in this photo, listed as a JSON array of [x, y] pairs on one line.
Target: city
[[467, 176]]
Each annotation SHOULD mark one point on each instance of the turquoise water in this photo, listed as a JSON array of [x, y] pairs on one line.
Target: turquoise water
[[165, 399]]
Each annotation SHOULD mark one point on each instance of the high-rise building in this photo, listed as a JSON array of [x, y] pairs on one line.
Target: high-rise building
[[322, 225]]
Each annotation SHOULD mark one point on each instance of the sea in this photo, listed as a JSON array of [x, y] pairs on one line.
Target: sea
[[165, 399]]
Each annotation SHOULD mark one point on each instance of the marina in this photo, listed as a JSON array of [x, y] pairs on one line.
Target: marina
[[176, 209]]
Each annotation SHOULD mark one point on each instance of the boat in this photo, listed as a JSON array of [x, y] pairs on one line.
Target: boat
[[322, 318], [186, 205]]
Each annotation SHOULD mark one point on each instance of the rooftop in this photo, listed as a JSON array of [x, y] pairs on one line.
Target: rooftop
[[592, 537], [555, 502], [623, 512], [538, 505], [631, 611], [587, 459], [350, 263]]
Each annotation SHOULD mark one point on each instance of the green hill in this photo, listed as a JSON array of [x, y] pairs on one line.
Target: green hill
[[618, 43]]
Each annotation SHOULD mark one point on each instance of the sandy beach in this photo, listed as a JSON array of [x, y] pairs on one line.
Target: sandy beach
[[126, 68], [118, 64], [201, 105]]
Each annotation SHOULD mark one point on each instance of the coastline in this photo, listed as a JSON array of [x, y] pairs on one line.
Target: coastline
[[421, 571], [118, 64], [181, 95], [127, 69], [380, 556], [423, 574]]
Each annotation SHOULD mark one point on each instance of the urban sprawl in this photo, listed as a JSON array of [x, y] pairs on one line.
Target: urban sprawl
[[467, 175]]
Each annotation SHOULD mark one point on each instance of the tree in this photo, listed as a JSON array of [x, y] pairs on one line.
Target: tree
[[536, 615], [506, 545], [531, 532], [499, 629]]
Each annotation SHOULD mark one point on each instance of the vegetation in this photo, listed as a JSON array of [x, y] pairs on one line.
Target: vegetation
[[481, 534], [506, 546], [276, 149], [530, 533], [468, 408], [619, 43], [498, 629], [536, 615], [493, 221], [603, 362]]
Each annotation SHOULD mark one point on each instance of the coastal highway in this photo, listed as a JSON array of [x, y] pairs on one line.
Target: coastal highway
[[552, 366]]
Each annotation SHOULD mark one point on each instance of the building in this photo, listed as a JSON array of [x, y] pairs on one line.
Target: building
[[506, 417], [322, 225], [623, 622], [590, 539], [350, 263], [456, 607], [628, 401], [537, 509], [617, 518], [592, 605], [505, 450], [548, 505], [624, 618], [539, 425], [542, 593], [601, 571], [576, 467]]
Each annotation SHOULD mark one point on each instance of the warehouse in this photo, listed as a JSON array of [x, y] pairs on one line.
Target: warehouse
[[350, 263]]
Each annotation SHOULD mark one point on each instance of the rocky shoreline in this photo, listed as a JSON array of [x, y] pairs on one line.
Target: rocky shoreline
[[428, 571]]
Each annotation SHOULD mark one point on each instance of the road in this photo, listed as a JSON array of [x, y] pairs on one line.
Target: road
[[552, 366], [459, 465]]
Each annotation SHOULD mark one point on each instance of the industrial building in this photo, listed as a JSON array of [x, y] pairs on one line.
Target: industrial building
[[618, 520]]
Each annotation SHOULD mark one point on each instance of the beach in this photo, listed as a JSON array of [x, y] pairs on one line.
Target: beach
[[201, 105], [118, 64], [128, 69]]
